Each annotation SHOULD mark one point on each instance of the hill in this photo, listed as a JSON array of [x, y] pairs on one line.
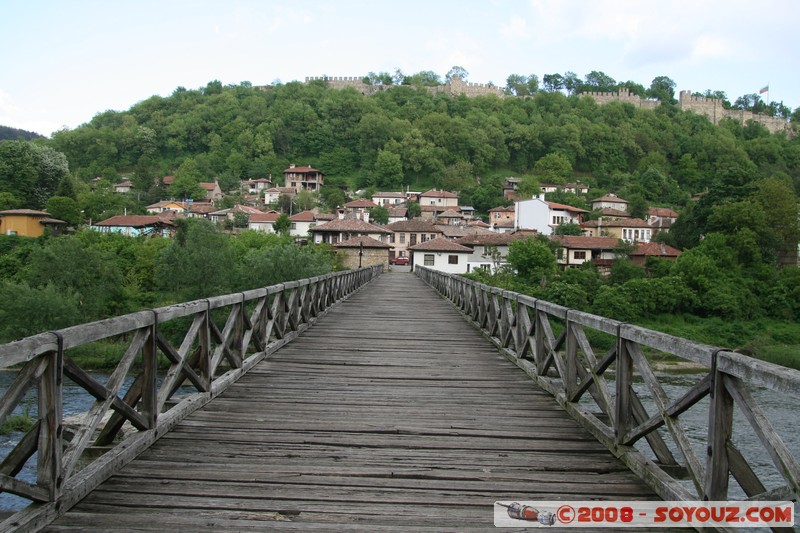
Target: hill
[[8, 133]]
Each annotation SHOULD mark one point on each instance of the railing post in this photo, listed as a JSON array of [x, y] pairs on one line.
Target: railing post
[[624, 389], [571, 355], [720, 428], [149, 375], [49, 466]]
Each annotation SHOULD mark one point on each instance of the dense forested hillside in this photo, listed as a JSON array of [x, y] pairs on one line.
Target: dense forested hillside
[[13, 134]]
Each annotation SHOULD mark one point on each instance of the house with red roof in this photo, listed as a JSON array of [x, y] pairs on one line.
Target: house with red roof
[[303, 178], [576, 250], [653, 249], [502, 218], [263, 221], [489, 250], [407, 233], [362, 251], [610, 200], [343, 229], [136, 225], [633, 230], [441, 254], [302, 222], [213, 191]]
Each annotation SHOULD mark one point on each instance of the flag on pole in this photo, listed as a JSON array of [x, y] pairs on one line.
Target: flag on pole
[[764, 89]]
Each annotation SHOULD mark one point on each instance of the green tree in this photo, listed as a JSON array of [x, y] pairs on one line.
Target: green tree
[[553, 82], [306, 200], [66, 209], [187, 181], [198, 263], [31, 172], [553, 168], [532, 259], [568, 228], [662, 88], [282, 225], [388, 170], [30, 310], [379, 215], [74, 266], [414, 210], [456, 71], [519, 85]]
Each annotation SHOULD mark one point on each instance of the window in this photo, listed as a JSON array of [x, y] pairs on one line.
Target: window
[[433, 236], [294, 225], [428, 260], [402, 238], [391, 238], [452, 259], [580, 255]]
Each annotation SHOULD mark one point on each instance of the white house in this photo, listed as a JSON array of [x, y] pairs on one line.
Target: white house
[[489, 250], [544, 216], [612, 201], [302, 222], [441, 254], [271, 195], [263, 221], [388, 199]]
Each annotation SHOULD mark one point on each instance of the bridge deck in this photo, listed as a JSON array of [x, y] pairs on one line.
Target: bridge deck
[[391, 413]]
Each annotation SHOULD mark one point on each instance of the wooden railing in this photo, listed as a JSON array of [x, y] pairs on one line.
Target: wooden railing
[[208, 344], [607, 389]]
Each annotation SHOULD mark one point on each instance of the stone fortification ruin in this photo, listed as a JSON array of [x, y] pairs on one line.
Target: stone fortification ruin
[[455, 87], [709, 107], [624, 96], [712, 108]]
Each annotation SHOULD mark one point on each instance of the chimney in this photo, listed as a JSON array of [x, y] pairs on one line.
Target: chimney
[[292, 165]]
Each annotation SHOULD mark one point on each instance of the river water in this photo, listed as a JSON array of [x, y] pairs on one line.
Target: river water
[[780, 409]]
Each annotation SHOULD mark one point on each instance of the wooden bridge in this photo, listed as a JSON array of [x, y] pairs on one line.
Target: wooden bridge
[[392, 412]]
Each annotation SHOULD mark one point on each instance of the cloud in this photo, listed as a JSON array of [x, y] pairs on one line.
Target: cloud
[[516, 29]]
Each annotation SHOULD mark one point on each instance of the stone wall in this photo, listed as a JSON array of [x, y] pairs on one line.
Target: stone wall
[[713, 109], [371, 257], [625, 96], [454, 87]]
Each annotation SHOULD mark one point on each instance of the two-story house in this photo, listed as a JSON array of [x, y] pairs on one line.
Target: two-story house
[[610, 200], [440, 254], [389, 199], [407, 233], [502, 218], [543, 216], [489, 250], [303, 178], [343, 229], [434, 202], [633, 230], [574, 251]]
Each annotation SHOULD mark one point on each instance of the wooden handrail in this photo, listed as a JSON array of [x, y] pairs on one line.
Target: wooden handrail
[[550, 343], [211, 343]]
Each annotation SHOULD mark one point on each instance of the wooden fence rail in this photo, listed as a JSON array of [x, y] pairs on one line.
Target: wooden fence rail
[[208, 344], [551, 343]]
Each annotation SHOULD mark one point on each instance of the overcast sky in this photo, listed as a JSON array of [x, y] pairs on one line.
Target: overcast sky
[[63, 62]]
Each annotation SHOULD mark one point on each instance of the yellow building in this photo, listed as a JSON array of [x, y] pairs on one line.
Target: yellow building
[[26, 222]]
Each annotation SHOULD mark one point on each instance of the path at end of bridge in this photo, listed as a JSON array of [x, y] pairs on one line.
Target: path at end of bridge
[[391, 413]]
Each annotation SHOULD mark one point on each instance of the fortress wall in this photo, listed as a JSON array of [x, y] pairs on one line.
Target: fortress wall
[[713, 109]]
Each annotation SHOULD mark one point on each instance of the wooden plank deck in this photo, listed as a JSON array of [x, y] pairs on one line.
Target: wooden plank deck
[[392, 413]]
